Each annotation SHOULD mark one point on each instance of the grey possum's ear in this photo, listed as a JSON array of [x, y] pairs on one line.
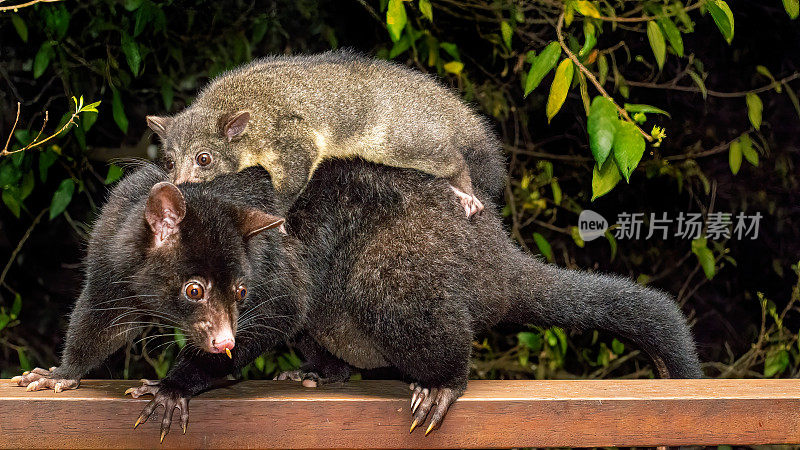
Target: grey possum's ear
[[254, 221], [165, 209], [159, 125], [232, 125]]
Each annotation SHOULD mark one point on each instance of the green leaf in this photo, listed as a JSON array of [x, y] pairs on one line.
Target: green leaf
[[132, 5], [541, 66], [617, 347], [46, 159], [604, 178], [705, 257], [16, 307], [754, 109], [556, 191], [118, 111], [628, 148], [591, 39], [28, 182], [794, 100], [396, 19], [114, 173], [24, 364], [723, 17], [180, 338], [19, 25], [601, 126], [42, 59], [62, 197], [533, 341], [586, 8], [699, 82], [735, 156], [167, 94], [426, 9], [9, 173], [748, 151], [776, 362], [544, 246], [636, 108], [131, 50], [673, 35], [792, 8], [657, 43], [559, 88], [11, 199], [507, 32]]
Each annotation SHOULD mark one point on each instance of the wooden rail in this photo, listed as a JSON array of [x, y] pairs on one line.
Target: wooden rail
[[375, 414]]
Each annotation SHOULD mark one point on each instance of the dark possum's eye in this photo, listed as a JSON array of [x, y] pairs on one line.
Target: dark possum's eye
[[193, 290], [241, 292], [203, 159]]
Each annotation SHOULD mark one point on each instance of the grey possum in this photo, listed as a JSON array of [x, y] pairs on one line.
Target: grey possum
[[178, 257], [289, 113], [408, 284]]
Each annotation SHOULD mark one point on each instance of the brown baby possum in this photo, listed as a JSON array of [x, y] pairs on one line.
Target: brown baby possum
[[183, 258], [408, 284], [289, 113]]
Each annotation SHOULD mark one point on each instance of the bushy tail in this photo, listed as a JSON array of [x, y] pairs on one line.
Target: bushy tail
[[548, 295]]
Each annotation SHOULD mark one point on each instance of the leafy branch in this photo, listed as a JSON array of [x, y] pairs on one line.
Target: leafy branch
[[36, 142], [16, 7], [590, 76]]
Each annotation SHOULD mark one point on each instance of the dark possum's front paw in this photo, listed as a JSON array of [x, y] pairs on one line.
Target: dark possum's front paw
[[308, 379], [168, 397], [38, 379], [431, 400]]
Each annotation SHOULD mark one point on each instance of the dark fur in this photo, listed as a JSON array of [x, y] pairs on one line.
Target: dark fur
[[408, 284]]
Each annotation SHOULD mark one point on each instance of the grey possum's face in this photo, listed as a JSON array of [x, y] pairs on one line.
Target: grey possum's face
[[197, 146]]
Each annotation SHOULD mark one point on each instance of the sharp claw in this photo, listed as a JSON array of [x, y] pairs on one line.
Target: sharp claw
[[57, 388], [430, 428], [137, 422], [16, 379], [184, 428], [228, 352], [32, 386], [416, 404], [413, 425], [163, 433], [25, 373], [128, 391]]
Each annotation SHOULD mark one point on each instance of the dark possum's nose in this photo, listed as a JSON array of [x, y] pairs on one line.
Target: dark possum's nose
[[222, 341]]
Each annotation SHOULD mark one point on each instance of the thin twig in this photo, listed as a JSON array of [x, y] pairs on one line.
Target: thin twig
[[23, 5], [592, 78], [673, 87], [647, 18], [20, 244]]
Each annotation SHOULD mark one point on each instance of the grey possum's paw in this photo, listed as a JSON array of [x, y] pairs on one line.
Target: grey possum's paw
[[470, 203], [38, 379], [430, 400], [308, 379], [169, 398]]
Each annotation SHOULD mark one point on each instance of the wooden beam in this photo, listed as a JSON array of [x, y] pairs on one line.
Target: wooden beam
[[375, 414]]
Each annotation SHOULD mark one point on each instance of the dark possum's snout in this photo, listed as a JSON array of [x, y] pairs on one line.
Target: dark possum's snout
[[213, 324]]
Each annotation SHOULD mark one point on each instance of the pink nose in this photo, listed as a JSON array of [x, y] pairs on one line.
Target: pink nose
[[222, 345]]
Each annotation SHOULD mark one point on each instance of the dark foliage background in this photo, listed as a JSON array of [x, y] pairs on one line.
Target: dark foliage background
[[142, 57]]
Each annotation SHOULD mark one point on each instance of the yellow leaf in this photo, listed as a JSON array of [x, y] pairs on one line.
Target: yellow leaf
[[559, 88], [454, 67], [587, 9]]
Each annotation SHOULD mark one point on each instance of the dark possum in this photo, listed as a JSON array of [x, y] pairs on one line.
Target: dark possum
[[179, 257], [399, 277]]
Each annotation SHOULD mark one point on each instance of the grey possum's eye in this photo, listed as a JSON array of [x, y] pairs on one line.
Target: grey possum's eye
[[168, 164], [203, 159], [193, 291]]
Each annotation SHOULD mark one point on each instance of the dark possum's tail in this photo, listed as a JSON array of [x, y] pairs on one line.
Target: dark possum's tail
[[549, 295]]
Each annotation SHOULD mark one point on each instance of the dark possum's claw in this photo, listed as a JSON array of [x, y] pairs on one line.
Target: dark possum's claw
[[38, 379], [309, 379], [470, 203], [424, 400], [169, 398]]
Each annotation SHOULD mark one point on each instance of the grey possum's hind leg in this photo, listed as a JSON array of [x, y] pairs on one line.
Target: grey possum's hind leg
[[461, 184], [38, 379], [433, 401]]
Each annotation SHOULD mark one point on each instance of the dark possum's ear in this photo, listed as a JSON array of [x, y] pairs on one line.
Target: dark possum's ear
[[254, 221], [159, 125], [164, 211], [232, 125]]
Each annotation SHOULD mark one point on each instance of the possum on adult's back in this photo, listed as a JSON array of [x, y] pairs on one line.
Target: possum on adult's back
[[289, 113], [182, 257]]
